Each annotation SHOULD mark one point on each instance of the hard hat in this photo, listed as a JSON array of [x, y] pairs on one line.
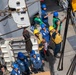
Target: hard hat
[[20, 55], [55, 14], [15, 66], [43, 6], [36, 31], [51, 28], [32, 53], [42, 26]]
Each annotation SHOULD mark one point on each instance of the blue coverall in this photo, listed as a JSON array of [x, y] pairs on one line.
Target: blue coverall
[[45, 20], [23, 65], [45, 35], [37, 63], [15, 73]]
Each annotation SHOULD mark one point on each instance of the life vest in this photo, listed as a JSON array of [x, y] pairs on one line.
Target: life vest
[[40, 41], [58, 38]]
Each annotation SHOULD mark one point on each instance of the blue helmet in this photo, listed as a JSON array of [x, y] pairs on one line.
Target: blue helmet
[[42, 26], [20, 55], [32, 53], [43, 6], [55, 14], [15, 66]]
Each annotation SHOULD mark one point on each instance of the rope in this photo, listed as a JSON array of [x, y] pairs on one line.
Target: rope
[[11, 32], [5, 17]]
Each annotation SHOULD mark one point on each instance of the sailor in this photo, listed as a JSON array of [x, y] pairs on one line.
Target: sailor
[[28, 43], [37, 19], [57, 22], [44, 14], [4, 70], [40, 43], [37, 63], [57, 39], [45, 35], [22, 62], [15, 70]]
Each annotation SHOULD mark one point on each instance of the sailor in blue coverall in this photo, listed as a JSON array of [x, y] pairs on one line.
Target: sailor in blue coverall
[[15, 70], [46, 36], [44, 14], [22, 61], [37, 63]]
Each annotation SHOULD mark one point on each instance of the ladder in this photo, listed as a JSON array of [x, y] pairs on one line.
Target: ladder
[[10, 49]]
